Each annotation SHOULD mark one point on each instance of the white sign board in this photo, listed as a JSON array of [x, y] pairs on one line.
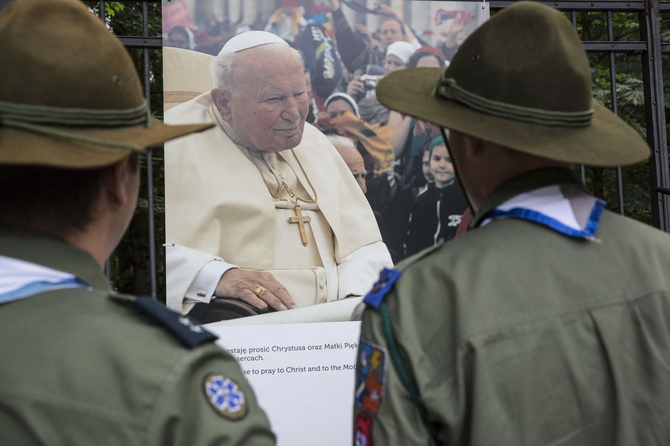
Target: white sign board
[[302, 374]]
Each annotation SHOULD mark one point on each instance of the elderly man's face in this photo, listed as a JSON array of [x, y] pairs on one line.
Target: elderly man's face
[[268, 108], [356, 165]]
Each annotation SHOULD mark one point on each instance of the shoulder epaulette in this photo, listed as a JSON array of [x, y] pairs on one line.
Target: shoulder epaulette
[[380, 289], [188, 332]]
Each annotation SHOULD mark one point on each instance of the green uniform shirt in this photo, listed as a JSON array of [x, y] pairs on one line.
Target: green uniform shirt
[[87, 367], [516, 334]]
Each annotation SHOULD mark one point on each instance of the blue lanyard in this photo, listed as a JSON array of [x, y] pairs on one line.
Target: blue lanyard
[[39, 287]]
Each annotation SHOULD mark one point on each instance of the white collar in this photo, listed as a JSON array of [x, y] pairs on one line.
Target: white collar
[[564, 208], [20, 279]]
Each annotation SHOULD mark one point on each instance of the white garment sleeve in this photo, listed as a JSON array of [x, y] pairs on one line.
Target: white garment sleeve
[[359, 271], [191, 276]]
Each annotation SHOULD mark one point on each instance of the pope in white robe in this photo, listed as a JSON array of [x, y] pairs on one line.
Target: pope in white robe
[[262, 207]]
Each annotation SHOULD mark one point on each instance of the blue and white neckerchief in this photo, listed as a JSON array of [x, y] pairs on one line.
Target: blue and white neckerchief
[[565, 209], [20, 279]]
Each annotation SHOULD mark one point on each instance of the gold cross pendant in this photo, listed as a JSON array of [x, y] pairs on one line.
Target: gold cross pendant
[[301, 220]]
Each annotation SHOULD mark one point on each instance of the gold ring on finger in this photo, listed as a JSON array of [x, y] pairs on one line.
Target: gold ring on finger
[[260, 289]]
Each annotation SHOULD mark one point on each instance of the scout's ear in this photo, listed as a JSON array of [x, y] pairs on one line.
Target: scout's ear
[[221, 100], [120, 181], [473, 146]]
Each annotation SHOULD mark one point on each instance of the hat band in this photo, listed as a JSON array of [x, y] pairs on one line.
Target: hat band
[[42, 119], [447, 88]]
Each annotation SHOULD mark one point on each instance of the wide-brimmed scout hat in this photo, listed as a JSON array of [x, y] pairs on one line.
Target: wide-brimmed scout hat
[[522, 80], [70, 95]]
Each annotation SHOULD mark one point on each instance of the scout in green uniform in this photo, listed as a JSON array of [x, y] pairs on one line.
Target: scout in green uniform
[[81, 364], [549, 322]]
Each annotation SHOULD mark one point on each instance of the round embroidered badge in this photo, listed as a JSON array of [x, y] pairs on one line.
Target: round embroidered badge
[[225, 396]]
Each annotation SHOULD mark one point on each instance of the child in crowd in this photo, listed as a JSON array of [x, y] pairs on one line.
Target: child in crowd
[[437, 211]]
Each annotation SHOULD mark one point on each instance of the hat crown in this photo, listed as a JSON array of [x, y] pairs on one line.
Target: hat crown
[[528, 56], [53, 53], [70, 95]]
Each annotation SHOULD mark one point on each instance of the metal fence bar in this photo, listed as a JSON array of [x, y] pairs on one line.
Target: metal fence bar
[[142, 42], [149, 167], [613, 89], [656, 119], [101, 14]]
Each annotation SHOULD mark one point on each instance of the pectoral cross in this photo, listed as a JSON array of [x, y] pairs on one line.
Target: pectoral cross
[[301, 220]]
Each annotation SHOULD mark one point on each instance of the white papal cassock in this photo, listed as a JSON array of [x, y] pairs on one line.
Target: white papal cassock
[[221, 213]]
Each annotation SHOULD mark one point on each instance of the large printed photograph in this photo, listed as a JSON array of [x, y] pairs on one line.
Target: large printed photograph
[[306, 187]]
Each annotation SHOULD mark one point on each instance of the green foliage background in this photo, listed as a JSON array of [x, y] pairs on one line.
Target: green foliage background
[[630, 104]]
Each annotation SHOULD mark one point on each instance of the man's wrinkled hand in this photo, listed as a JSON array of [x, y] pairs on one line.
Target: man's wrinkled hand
[[257, 288]]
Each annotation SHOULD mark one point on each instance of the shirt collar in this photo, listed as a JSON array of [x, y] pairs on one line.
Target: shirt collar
[[20, 279], [51, 252], [551, 197]]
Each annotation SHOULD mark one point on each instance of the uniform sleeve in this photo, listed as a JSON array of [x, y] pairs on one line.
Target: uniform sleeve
[[206, 400], [353, 49], [383, 410]]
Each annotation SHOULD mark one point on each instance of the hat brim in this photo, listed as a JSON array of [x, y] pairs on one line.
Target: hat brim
[[22, 147], [607, 142]]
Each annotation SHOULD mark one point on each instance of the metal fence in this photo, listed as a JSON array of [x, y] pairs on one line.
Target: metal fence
[[628, 40]]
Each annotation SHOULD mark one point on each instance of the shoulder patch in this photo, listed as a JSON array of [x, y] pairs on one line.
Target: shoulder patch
[[224, 396], [363, 430], [380, 289], [188, 332], [370, 376]]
